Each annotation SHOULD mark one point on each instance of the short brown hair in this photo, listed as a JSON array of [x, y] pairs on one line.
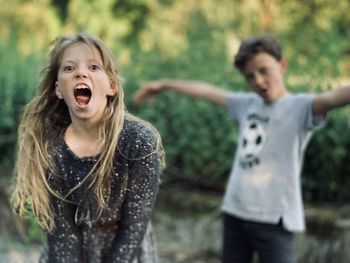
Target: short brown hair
[[254, 45]]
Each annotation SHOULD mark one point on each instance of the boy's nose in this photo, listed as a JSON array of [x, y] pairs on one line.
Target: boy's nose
[[259, 80]]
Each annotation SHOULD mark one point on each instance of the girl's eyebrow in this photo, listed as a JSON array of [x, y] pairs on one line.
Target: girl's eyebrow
[[67, 61], [96, 60], [92, 60]]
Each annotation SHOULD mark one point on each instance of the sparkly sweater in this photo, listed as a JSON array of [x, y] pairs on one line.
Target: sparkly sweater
[[122, 233]]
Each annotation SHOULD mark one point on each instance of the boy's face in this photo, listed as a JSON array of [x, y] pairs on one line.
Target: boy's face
[[264, 74]]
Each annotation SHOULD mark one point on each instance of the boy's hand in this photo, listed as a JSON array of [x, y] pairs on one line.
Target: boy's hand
[[147, 91]]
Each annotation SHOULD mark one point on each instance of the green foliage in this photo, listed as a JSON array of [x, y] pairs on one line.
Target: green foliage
[[33, 231], [314, 56], [198, 137], [33, 24], [18, 78], [327, 162], [167, 39]]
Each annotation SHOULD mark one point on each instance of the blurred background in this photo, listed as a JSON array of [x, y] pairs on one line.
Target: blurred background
[[185, 39]]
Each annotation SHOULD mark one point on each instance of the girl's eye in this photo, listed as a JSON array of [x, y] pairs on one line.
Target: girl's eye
[[67, 68], [94, 67]]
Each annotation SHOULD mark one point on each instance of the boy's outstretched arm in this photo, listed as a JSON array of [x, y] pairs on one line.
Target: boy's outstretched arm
[[327, 101], [191, 88]]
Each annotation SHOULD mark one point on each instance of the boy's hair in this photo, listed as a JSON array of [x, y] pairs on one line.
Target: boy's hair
[[254, 45]]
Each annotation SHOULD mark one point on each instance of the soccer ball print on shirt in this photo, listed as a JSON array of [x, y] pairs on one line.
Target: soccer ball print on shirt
[[252, 141]]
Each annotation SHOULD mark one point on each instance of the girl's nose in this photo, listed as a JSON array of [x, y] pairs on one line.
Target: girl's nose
[[81, 73]]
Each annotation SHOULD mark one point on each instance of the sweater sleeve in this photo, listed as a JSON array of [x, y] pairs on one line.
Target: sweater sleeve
[[63, 244], [144, 172]]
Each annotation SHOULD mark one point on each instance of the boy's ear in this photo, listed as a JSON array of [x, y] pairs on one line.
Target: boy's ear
[[57, 91], [284, 64]]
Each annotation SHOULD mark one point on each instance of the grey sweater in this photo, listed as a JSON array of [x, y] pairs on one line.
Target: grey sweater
[[122, 233]]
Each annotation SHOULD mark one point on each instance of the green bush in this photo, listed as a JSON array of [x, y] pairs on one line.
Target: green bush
[[18, 78], [326, 172], [198, 137]]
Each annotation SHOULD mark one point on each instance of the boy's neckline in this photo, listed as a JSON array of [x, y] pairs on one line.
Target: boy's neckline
[[270, 102]]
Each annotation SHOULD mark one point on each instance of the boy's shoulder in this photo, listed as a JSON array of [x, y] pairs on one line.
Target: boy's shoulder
[[243, 95], [302, 97]]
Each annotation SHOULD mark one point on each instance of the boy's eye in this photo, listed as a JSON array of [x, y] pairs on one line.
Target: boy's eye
[[263, 71], [249, 77], [94, 67]]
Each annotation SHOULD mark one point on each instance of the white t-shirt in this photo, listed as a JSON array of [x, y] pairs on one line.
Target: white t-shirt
[[264, 184]]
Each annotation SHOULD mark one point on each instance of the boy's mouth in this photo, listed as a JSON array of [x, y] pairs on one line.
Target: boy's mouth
[[82, 94]]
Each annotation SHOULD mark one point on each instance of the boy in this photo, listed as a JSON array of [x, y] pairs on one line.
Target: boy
[[262, 205]]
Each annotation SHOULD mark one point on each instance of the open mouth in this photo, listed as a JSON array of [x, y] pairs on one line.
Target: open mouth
[[82, 94]]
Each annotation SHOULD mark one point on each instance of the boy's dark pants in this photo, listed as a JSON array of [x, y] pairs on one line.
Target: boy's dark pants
[[242, 238]]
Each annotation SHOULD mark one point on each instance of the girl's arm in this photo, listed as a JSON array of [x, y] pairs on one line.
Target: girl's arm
[[64, 243], [138, 203], [191, 88]]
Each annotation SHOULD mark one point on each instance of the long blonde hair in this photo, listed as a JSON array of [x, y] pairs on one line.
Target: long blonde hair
[[44, 118]]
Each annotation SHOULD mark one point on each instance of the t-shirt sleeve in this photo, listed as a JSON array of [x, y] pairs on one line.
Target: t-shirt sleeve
[[311, 122], [237, 103]]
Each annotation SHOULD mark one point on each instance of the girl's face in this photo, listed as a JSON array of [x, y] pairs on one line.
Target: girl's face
[[83, 83]]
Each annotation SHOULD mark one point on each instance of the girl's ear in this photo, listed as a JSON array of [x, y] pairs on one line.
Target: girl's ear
[[57, 91], [112, 90]]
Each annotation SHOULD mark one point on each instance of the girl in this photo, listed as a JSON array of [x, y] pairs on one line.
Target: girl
[[86, 169]]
